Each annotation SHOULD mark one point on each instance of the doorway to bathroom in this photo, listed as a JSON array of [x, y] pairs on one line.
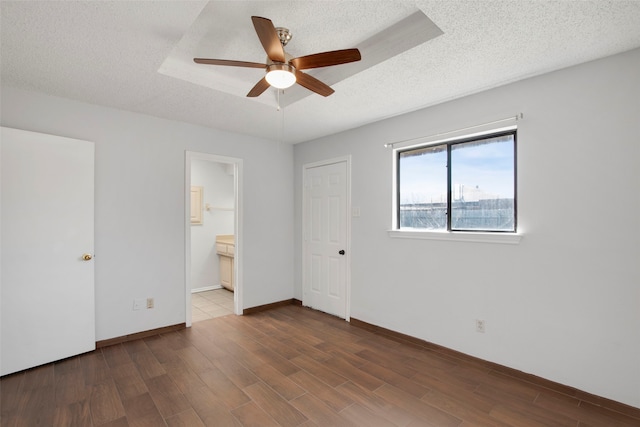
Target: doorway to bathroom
[[212, 236]]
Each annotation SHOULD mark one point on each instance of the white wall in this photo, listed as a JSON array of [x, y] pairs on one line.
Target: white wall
[[140, 213], [217, 190], [564, 304]]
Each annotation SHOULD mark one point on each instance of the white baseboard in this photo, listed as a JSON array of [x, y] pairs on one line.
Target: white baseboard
[[206, 288]]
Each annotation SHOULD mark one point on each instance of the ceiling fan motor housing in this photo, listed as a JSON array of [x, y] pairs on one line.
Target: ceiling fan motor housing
[[284, 35]]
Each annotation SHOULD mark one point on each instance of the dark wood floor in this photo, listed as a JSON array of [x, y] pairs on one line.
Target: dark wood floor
[[286, 367]]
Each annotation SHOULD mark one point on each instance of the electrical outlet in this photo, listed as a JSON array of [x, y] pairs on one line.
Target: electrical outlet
[[150, 303], [138, 304], [480, 326]]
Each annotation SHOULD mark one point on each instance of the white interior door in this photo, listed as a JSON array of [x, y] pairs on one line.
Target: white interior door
[[325, 273], [48, 307]]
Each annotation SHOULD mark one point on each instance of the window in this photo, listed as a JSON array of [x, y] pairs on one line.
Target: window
[[476, 193]]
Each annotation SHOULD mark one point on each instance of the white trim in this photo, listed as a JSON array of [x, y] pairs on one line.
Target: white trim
[[205, 289], [458, 236], [238, 221], [347, 160]]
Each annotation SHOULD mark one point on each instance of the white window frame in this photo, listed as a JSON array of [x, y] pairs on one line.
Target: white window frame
[[512, 238]]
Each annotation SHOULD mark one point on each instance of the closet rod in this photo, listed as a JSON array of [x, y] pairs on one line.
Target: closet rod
[[517, 117]]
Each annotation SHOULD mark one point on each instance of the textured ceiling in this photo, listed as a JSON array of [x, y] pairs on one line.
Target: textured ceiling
[[134, 55]]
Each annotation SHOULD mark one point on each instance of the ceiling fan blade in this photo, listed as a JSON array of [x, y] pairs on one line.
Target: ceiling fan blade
[[259, 88], [269, 38], [326, 59], [313, 84], [229, 63]]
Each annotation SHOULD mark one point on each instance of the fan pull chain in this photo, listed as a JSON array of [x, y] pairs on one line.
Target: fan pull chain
[[278, 100], [281, 121]]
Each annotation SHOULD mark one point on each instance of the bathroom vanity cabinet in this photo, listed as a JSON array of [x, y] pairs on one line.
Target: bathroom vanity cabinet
[[225, 248]]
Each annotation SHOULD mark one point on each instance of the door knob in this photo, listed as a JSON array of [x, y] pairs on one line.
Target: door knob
[[341, 252], [87, 257]]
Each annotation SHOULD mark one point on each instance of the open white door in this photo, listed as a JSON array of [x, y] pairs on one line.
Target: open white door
[[325, 231], [48, 307]]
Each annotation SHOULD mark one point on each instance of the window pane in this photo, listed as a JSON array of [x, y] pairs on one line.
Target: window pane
[[483, 185], [423, 188]]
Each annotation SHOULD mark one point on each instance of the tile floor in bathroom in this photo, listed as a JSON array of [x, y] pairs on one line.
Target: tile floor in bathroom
[[209, 304]]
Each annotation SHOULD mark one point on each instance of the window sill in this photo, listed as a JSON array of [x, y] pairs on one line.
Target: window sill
[[458, 236]]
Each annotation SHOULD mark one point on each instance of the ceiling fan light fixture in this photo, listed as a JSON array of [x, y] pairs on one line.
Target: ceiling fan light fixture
[[281, 76]]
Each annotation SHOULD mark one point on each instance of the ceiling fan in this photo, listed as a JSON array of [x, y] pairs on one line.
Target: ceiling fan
[[283, 71]]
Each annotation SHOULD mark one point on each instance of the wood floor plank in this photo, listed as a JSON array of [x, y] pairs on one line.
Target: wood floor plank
[[41, 376], [502, 394], [319, 413], [360, 416], [243, 327], [279, 347], [307, 350], [115, 355], [497, 381], [278, 381], [512, 416], [11, 390], [128, 380], [225, 389], [135, 346], [70, 387], [204, 341], [608, 406], [416, 407], [76, 414], [211, 411], [167, 396], [428, 362], [376, 404], [319, 370], [395, 363], [147, 364], [251, 415], [460, 407], [36, 407], [391, 377], [120, 422], [65, 366], [94, 367], [337, 350], [176, 340], [297, 332], [506, 409], [593, 414], [141, 410], [182, 375], [274, 405], [105, 403], [355, 375], [448, 395], [268, 325], [188, 418], [330, 396], [194, 358], [159, 347], [437, 379], [275, 360], [239, 374], [570, 407], [242, 355]]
